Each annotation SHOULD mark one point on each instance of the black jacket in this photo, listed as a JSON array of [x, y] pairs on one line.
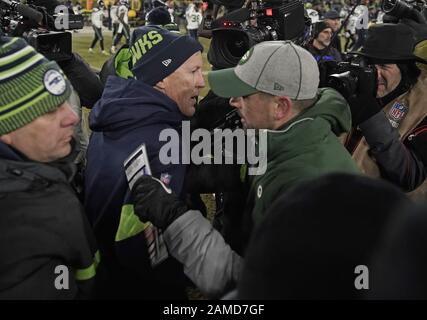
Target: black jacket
[[327, 54], [42, 226]]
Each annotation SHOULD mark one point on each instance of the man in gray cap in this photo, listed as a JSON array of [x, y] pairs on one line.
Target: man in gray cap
[[274, 87]]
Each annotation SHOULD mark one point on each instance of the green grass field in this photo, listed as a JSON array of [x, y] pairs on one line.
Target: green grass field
[[82, 41]]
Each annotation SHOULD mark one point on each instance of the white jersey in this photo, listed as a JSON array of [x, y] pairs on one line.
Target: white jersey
[[96, 17], [314, 15], [113, 14], [123, 10], [362, 14], [171, 11], [380, 16], [77, 9], [194, 19], [351, 24]]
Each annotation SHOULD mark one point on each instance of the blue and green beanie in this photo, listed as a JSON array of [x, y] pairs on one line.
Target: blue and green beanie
[[157, 52], [30, 85]]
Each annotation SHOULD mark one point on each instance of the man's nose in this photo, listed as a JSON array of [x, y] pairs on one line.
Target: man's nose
[[379, 74], [235, 102], [200, 80], [69, 116]]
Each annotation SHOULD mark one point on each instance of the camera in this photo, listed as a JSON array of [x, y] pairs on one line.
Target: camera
[[44, 30], [404, 9], [236, 32], [346, 76]]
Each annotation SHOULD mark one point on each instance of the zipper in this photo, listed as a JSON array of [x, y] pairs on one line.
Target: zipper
[[419, 130]]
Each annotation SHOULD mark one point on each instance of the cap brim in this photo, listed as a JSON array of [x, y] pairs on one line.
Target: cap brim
[[224, 83], [390, 59]]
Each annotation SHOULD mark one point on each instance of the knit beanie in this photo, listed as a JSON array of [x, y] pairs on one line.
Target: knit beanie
[[157, 52], [30, 85], [319, 27], [158, 16]]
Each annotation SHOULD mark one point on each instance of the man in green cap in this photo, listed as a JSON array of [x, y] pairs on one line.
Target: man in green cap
[[275, 88]]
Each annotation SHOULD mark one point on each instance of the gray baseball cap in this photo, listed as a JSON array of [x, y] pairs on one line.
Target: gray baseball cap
[[280, 68]]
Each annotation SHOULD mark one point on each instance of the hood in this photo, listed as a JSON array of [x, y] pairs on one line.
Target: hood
[[331, 107], [9, 153], [330, 113], [18, 173], [128, 103]]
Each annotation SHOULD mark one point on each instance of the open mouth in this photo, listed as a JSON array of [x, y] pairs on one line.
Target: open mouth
[[195, 99]]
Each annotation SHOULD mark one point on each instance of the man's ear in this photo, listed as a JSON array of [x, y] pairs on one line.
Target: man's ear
[[283, 109], [161, 85], [6, 138]]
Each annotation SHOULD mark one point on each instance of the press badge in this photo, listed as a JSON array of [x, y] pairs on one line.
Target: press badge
[[137, 165]]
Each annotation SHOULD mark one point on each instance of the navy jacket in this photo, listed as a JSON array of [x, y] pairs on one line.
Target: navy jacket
[[128, 114], [42, 226]]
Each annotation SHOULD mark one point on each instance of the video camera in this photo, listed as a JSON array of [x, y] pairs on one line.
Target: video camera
[[345, 76], [43, 29], [234, 33], [405, 9]]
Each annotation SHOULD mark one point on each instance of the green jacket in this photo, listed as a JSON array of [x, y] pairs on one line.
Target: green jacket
[[304, 148]]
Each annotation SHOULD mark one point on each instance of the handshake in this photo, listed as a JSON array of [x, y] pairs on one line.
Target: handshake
[[156, 203]]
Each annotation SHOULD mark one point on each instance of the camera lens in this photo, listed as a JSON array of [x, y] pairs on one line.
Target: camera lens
[[236, 45], [228, 46], [345, 83], [388, 5], [397, 8]]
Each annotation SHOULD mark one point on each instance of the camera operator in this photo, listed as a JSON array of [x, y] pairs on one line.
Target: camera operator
[[394, 143], [273, 87], [320, 46]]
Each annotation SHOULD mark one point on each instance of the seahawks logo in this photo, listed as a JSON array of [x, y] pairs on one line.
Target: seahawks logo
[[54, 82]]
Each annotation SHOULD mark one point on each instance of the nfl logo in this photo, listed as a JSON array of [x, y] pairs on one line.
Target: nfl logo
[[398, 111]]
